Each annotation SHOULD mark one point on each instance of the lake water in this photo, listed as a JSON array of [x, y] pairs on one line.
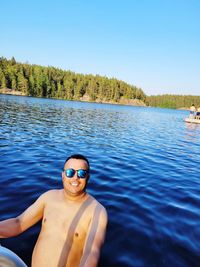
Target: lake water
[[145, 170]]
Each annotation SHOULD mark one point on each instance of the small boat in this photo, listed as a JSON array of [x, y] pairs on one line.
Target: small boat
[[193, 120]]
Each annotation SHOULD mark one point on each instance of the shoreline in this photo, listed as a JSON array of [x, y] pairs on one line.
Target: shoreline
[[7, 91], [126, 102]]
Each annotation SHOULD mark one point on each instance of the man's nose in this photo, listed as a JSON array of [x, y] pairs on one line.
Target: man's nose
[[75, 177]]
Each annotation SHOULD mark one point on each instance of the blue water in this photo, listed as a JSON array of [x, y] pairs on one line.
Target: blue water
[[145, 171]]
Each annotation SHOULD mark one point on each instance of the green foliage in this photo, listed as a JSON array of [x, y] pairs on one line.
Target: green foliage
[[173, 101], [2, 80], [34, 80]]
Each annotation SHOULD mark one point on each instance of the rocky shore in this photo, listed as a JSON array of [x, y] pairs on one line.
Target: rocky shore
[[85, 98], [8, 91]]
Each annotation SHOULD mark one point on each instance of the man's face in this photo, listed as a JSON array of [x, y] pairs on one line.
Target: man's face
[[74, 185]]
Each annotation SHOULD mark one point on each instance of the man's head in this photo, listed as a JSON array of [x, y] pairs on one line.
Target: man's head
[[78, 156], [75, 174]]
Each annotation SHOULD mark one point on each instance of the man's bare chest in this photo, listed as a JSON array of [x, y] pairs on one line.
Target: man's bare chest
[[62, 219]]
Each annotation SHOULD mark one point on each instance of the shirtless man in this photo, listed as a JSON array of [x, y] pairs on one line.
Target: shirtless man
[[73, 222]]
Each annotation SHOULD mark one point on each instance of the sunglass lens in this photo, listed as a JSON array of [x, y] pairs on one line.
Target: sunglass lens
[[70, 173], [82, 173]]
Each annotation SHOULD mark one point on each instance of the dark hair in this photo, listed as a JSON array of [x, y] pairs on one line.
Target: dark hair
[[78, 156]]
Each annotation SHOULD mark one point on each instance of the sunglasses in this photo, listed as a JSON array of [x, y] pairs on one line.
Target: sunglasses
[[80, 173]]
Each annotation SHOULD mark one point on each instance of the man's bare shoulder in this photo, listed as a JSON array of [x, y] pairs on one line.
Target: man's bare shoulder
[[51, 194], [99, 206]]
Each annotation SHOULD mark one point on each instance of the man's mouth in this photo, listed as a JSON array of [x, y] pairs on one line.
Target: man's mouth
[[74, 184]]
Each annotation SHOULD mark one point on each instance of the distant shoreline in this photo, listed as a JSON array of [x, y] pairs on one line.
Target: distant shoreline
[[131, 102], [7, 91], [126, 102]]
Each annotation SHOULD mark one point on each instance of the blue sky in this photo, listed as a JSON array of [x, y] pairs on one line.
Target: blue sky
[[152, 44]]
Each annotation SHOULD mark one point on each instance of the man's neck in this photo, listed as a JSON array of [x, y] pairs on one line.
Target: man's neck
[[75, 198]]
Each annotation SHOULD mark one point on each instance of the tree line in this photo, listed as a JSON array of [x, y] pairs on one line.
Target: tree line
[[40, 81], [173, 101], [51, 82]]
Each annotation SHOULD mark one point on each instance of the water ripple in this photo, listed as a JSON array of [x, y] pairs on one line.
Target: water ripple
[[144, 169]]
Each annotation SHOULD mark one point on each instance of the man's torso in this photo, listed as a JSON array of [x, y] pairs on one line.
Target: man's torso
[[64, 229]]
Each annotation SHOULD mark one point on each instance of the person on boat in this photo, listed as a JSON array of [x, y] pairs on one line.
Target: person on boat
[[192, 111], [73, 222], [198, 114]]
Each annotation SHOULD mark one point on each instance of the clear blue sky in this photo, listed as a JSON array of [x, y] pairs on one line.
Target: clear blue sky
[[153, 44]]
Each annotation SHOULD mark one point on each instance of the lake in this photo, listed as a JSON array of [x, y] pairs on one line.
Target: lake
[[144, 169]]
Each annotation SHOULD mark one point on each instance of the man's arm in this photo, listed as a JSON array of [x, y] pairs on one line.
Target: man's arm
[[95, 238], [29, 217]]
